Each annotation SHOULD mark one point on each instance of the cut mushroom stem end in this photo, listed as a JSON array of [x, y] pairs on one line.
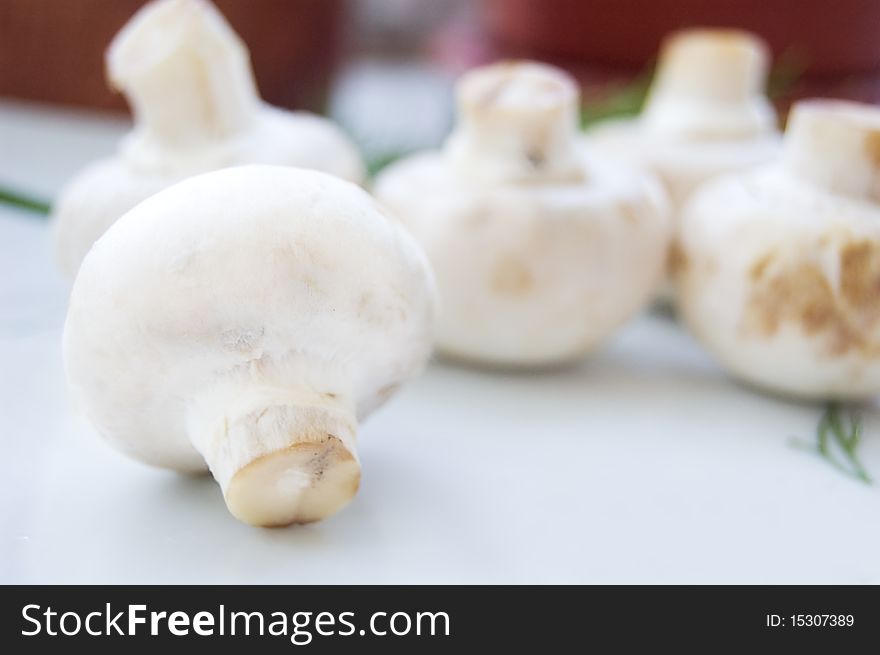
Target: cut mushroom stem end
[[305, 482], [279, 464], [710, 84], [835, 145], [185, 72], [517, 123]]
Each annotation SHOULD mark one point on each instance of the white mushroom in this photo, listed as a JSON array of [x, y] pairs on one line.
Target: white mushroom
[[540, 250], [248, 319], [780, 271], [188, 79], [706, 113]]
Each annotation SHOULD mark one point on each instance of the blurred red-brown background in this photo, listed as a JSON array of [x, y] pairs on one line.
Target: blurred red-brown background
[[53, 50], [835, 44]]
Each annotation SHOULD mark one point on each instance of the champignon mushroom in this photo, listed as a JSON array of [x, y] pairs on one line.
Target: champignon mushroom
[[780, 274], [540, 249], [248, 319], [188, 79], [706, 113]]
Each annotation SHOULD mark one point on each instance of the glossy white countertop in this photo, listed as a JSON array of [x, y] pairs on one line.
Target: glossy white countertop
[[643, 464]]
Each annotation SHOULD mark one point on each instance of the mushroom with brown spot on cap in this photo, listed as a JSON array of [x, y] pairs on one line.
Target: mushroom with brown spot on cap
[[540, 248], [782, 274]]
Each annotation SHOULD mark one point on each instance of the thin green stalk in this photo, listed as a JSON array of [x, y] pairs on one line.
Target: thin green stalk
[[840, 431], [378, 162], [23, 201], [786, 73], [848, 437], [625, 102]]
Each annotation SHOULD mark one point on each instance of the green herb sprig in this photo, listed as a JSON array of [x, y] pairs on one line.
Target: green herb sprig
[[22, 201], [623, 102], [838, 435], [377, 162]]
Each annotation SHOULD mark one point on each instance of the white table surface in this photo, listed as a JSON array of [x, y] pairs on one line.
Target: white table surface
[[643, 464]]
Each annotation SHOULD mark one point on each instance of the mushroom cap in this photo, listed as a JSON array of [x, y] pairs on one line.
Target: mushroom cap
[[91, 202], [682, 165], [781, 281], [103, 191], [276, 137], [532, 274], [540, 250], [243, 278], [303, 140]]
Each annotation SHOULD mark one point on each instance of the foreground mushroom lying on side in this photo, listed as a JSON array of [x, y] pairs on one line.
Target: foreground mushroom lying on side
[[188, 79], [248, 319], [540, 249], [706, 113], [780, 274]]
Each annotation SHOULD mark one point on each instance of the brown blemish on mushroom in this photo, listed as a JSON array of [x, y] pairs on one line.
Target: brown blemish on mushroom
[[630, 213], [368, 310], [757, 270], [318, 462], [537, 145], [311, 284], [801, 293], [872, 148], [511, 277], [860, 279], [364, 302], [536, 158], [382, 309], [676, 260]]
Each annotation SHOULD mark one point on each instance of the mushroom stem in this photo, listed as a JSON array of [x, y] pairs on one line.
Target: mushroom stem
[[710, 84], [517, 122], [836, 146], [185, 72], [279, 457]]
